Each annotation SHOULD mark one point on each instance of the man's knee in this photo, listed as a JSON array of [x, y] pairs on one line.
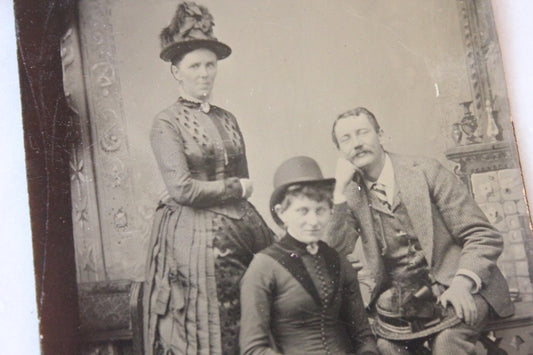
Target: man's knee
[[457, 340], [447, 336], [387, 347]]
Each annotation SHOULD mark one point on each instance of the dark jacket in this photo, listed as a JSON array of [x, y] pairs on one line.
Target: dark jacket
[[282, 311]]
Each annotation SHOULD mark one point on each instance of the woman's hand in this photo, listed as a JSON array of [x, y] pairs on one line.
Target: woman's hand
[[247, 188], [343, 175]]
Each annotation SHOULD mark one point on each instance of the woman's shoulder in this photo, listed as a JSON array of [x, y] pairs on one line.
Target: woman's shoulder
[[171, 112], [176, 117], [221, 112], [260, 271], [263, 259], [268, 259]]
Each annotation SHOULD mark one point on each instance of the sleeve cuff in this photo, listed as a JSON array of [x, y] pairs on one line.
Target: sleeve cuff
[[339, 198], [473, 276], [243, 189]]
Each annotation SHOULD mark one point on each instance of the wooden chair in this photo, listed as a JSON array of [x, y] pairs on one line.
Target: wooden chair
[[513, 335]]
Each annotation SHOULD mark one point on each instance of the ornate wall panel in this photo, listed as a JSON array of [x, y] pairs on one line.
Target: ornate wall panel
[[90, 261], [485, 72], [485, 150], [123, 227]]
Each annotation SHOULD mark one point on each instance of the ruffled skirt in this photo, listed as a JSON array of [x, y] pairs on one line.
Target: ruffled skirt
[[195, 262]]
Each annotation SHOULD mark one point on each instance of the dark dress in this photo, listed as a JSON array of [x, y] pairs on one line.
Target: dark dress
[[297, 303], [204, 235]]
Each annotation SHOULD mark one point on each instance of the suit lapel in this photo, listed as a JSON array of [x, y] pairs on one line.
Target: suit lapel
[[358, 200], [413, 191]]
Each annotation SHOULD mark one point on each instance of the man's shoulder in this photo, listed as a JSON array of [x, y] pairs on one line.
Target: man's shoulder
[[413, 161]]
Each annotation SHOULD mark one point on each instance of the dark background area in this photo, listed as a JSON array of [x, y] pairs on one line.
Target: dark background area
[[39, 26]]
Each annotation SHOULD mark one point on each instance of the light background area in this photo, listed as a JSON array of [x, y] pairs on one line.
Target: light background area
[[294, 68], [18, 327]]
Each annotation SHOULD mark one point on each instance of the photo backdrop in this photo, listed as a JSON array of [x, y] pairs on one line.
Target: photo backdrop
[[295, 66]]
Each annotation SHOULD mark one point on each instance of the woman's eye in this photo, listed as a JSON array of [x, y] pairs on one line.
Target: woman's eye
[[302, 211], [321, 211]]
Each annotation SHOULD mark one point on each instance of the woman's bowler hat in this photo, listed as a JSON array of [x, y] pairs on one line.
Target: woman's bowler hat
[[296, 170], [191, 28]]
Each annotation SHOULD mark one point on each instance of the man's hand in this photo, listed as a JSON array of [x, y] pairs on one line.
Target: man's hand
[[460, 297], [343, 175]]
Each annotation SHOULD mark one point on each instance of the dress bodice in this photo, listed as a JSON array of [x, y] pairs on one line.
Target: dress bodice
[[201, 156], [212, 141], [284, 310]]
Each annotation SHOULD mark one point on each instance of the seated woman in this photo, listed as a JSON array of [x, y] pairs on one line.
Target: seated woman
[[299, 296]]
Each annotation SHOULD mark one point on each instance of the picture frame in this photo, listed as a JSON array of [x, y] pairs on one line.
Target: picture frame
[[55, 145]]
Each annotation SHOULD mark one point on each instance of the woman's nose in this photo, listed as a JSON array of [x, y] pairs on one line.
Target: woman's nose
[[312, 218], [203, 71]]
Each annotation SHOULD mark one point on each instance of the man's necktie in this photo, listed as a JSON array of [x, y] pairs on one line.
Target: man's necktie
[[379, 191]]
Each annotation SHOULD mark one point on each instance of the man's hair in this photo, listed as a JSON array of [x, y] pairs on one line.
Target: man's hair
[[317, 192], [356, 112]]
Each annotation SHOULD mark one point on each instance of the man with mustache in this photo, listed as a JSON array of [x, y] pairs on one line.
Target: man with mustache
[[429, 248]]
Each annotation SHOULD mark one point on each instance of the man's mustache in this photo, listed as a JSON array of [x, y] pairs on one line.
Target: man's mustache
[[357, 151]]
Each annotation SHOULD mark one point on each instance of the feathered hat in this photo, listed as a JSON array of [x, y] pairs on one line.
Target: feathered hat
[[191, 28]]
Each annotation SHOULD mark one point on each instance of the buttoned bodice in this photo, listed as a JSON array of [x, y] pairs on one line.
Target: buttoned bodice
[[310, 304], [211, 141]]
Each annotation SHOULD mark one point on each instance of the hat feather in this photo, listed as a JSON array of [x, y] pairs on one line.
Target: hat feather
[[191, 22]]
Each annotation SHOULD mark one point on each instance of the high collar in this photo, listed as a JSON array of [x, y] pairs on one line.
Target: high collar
[[193, 103], [291, 243]]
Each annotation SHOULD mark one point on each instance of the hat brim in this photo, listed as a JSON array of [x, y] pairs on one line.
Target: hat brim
[[278, 193], [173, 50], [390, 332]]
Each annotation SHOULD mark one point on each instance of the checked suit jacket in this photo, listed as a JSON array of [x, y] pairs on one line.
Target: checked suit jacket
[[453, 231]]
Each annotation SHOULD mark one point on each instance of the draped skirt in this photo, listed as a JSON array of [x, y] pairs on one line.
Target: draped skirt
[[196, 259]]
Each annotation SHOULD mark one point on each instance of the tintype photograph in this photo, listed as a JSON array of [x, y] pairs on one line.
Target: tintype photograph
[[273, 177]]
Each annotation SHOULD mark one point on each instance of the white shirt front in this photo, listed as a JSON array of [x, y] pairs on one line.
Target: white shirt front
[[386, 178]]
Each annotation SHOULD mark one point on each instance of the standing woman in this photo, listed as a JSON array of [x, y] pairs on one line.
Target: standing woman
[[206, 233]]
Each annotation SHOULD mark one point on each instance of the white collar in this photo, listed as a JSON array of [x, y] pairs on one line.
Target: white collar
[[386, 178], [204, 105]]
